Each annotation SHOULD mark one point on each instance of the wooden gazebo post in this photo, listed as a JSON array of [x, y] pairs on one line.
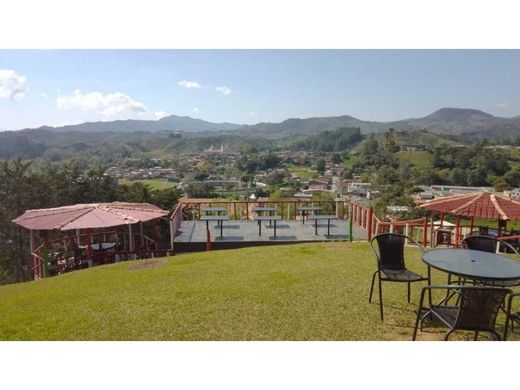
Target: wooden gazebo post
[[131, 245], [457, 231], [89, 247], [432, 231]]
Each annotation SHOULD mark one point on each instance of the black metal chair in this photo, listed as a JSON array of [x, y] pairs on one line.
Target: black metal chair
[[490, 245], [476, 310], [390, 263], [511, 317]]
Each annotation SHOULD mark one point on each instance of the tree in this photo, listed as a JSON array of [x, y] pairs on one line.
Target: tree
[[513, 178], [501, 185], [320, 166], [275, 178], [336, 158], [200, 190], [390, 144]]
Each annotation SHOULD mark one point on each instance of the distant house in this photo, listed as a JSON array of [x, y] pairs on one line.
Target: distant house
[[515, 193], [359, 188], [315, 184]]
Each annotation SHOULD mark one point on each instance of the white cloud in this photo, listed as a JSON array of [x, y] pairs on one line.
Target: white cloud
[[12, 85], [43, 95], [189, 84], [253, 113], [224, 90], [502, 105], [195, 109], [160, 114], [110, 106]]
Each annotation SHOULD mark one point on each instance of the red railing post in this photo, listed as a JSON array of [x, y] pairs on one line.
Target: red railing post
[[369, 232], [425, 232]]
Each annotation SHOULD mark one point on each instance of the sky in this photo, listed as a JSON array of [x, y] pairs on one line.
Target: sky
[[58, 87]]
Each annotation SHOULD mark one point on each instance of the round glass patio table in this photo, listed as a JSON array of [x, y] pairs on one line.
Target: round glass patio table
[[472, 264]]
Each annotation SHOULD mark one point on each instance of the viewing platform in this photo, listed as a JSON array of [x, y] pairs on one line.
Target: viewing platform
[[202, 225]]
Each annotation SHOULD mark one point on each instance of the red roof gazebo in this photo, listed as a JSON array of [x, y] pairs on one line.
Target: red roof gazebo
[[482, 205], [88, 217]]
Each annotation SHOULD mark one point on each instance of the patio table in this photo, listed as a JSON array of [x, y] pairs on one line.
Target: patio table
[[261, 210], [305, 209], [472, 264], [269, 218], [219, 219], [317, 218], [213, 211]]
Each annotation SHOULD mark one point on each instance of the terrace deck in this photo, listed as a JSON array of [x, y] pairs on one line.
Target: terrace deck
[[192, 234]]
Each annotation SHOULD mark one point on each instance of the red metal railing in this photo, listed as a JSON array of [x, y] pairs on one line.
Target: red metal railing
[[148, 248], [242, 210]]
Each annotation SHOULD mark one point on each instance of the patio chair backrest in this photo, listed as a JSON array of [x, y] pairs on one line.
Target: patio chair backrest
[[391, 250], [486, 244], [479, 307]]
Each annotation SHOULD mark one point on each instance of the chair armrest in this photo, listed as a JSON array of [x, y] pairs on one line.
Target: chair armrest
[[510, 298]]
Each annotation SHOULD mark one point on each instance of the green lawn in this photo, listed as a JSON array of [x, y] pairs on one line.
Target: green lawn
[[294, 292], [155, 184], [420, 159], [301, 172]]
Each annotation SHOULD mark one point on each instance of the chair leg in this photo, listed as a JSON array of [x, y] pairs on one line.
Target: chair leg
[[381, 298], [408, 292], [372, 287], [506, 325], [497, 336], [475, 338], [447, 335], [416, 324]]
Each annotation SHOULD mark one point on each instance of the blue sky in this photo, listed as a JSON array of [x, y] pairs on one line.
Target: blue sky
[[55, 87]]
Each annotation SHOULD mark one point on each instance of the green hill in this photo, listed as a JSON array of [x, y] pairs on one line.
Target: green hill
[[294, 292]]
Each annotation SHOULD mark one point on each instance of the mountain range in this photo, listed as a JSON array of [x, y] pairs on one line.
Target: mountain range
[[467, 123]]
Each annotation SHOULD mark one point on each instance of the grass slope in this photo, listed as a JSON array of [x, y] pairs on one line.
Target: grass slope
[[295, 292], [154, 184]]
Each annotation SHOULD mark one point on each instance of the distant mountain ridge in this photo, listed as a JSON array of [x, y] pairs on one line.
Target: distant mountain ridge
[[446, 121], [467, 123], [170, 123]]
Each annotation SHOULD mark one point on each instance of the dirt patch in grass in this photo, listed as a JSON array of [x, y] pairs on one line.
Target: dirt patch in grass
[[147, 264]]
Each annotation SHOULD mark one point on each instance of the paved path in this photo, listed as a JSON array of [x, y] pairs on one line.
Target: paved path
[[247, 231]]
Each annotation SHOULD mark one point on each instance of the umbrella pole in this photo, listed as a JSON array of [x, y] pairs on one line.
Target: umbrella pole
[[471, 225]]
